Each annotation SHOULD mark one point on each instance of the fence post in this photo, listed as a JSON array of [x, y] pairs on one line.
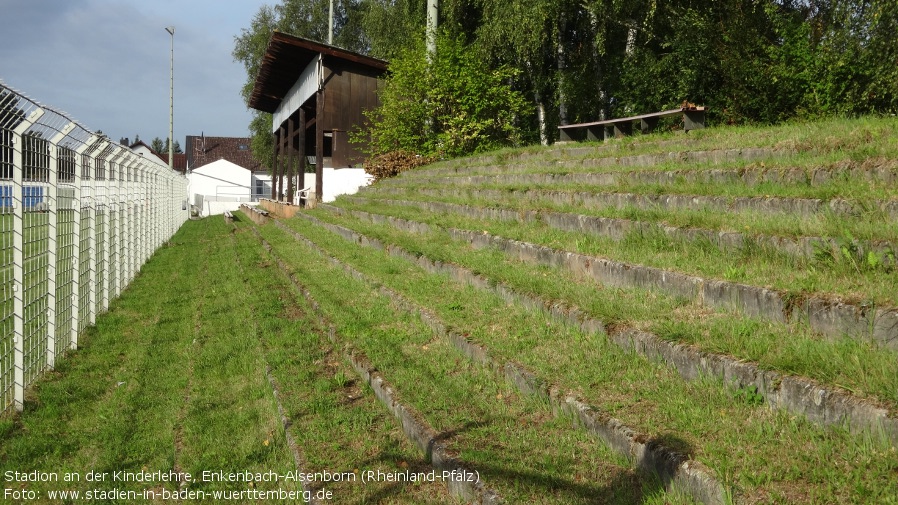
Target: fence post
[[113, 272], [166, 209], [128, 260], [170, 212], [141, 230], [124, 211], [52, 201], [154, 214], [121, 266], [142, 213], [109, 279], [173, 203], [18, 203], [78, 252], [94, 261], [102, 184]]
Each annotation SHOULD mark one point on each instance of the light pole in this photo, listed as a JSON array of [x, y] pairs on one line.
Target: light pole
[[432, 16], [171, 103], [330, 24]]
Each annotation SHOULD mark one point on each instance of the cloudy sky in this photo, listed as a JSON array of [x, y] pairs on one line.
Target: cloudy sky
[[106, 62]]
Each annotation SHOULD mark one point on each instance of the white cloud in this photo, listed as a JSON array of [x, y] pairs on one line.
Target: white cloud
[[106, 63]]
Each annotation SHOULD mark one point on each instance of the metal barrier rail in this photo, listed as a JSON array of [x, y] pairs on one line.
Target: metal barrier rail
[[79, 215]]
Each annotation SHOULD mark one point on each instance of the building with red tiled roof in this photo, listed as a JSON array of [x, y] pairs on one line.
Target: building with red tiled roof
[[202, 150], [141, 148], [180, 162]]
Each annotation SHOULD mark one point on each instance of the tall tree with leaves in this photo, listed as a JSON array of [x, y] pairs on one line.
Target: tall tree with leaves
[[392, 26], [523, 34], [554, 43], [249, 48], [447, 105], [161, 146]]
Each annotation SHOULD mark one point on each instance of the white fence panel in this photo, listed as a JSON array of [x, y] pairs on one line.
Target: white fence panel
[[79, 215]]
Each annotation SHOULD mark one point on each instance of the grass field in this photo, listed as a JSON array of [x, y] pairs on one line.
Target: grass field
[[174, 379]]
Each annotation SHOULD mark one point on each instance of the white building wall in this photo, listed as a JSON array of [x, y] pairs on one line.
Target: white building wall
[[341, 181], [147, 153], [219, 182]]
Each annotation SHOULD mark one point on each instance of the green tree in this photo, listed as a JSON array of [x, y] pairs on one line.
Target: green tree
[[882, 57], [392, 26], [582, 60], [177, 147], [452, 106], [161, 146], [528, 36], [249, 48], [855, 56]]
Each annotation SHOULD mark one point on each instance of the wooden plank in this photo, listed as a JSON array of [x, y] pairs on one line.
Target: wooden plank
[[339, 148], [672, 112]]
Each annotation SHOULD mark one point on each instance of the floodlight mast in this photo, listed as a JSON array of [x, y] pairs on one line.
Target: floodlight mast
[[432, 17], [330, 24], [171, 103]]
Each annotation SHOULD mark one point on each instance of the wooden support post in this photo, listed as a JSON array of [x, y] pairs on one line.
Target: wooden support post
[[291, 158], [280, 164], [274, 167], [596, 132], [623, 128], [648, 124], [319, 144], [693, 119], [301, 141]]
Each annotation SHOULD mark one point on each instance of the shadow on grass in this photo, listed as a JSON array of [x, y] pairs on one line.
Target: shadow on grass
[[611, 484]]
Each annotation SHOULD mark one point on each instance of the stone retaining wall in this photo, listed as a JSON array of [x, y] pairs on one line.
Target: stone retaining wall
[[748, 177], [828, 316], [640, 160], [428, 440], [802, 207], [676, 470], [618, 229], [255, 214], [279, 209], [821, 404]]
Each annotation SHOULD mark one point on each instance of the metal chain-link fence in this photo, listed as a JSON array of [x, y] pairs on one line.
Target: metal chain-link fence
[[79, 215]]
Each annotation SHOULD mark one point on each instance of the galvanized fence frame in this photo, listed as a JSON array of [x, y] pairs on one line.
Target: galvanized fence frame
[[79, 215]]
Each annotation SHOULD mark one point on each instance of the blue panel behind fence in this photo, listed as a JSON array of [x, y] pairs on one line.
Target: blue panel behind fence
[[33, 196]]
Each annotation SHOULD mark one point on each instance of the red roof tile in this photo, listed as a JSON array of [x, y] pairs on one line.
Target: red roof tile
[[202, 150], [180, 161]]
